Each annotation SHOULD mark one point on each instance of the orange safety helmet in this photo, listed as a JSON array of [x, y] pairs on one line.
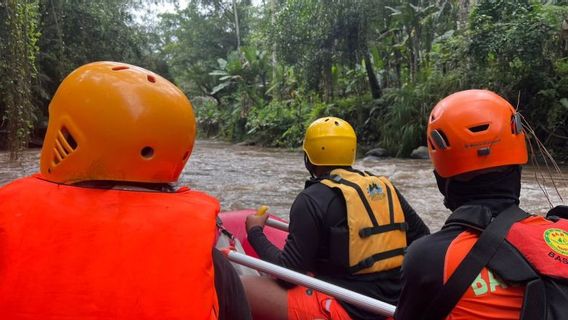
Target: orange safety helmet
[[330, 141], [472, 130], [115, 121]]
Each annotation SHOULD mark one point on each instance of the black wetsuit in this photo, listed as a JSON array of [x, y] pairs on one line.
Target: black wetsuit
[[316, 211], [233, 303]]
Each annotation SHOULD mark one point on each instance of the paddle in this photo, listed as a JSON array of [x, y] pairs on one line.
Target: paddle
[[351, 297], [276, 224]]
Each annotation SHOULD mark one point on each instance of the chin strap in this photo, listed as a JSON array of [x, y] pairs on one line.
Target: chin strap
[[309, 166]]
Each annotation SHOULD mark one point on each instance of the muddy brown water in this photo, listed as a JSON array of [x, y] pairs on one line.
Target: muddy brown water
[[248, 176]]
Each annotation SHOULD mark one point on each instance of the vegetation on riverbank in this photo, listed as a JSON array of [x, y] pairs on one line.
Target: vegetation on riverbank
[[262, 72]]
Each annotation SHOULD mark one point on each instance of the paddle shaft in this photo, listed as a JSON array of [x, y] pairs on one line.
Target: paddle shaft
[[277, 224], [354, 298]]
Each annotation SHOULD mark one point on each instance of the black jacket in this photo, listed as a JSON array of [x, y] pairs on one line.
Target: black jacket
[[316, 210]]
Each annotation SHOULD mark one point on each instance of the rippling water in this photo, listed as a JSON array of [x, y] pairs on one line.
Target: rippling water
[[247, 176]]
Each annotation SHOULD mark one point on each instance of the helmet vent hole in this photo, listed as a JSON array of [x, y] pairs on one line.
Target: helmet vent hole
[[147, 152], [65, 144], [151, 78], [326, 120], [432, 145], [479, 128], [440, 140], [323, 148], [336, 123], [432, 118], [69, 138], [120, 68]]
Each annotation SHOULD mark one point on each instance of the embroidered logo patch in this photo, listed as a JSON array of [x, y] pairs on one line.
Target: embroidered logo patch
[[375, 191], [557, 240]]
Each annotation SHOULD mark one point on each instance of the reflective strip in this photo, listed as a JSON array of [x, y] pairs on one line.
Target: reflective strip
[[327, 306]]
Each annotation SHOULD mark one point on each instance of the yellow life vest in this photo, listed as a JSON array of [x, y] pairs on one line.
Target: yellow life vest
[[376, 225]]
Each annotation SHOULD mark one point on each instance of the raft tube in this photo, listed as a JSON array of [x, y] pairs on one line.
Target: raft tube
[[234, 222]]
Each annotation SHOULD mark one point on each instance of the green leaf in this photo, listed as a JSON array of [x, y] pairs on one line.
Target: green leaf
[[564, 103], [222, 63], [220, 87], [218, 73]]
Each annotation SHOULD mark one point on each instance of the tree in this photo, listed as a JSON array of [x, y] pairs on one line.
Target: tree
[[82, 31], [195, 37], [18, 48]]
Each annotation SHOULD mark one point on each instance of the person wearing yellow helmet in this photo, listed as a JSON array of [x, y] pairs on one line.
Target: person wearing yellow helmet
[[491, 260], [101, 232], [347, 227]]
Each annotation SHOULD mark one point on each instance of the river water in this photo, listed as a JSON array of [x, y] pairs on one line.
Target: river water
[[248, 176]]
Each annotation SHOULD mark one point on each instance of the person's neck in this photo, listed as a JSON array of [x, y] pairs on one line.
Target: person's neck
[[127, 185], [497, 190], [321, 171]]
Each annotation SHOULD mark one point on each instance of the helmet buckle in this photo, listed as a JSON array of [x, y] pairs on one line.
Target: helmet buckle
[[483, 152], [517, 123]]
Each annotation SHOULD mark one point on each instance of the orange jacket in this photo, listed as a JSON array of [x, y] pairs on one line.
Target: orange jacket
[[488, 296], [80, 253]]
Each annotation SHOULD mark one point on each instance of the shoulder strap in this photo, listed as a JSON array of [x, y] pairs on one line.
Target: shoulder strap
[[338, 179], [483, 250]]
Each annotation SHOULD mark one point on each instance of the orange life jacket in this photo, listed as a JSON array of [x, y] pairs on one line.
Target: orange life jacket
[[81, 253], [540, 241]]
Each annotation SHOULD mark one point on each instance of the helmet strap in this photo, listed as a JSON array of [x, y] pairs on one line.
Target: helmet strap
[[309, 166]]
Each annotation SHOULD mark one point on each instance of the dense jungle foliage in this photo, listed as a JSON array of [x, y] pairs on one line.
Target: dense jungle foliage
[[262, 70]]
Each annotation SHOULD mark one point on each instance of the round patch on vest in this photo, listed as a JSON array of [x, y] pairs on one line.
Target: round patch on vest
[[557, 240], [375, 191]]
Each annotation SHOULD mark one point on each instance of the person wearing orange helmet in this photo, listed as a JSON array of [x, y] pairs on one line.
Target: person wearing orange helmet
[[347, 227], [101, 233], [491, 260]]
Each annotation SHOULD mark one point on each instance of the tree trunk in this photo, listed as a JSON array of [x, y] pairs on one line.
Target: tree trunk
[[463, 12], [398, 68], [273, 20], [327, 78], [237, 25], [411, 56], [326, 65], [373, 81]]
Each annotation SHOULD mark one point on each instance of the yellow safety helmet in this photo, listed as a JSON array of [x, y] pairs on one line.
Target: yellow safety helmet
[[119, 122], [330, 141]]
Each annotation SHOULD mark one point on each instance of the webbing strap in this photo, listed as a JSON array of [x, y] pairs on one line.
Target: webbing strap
[[478, 257], [389, 197], [338, 179], [224, 231], [368, 262], [366, 232]]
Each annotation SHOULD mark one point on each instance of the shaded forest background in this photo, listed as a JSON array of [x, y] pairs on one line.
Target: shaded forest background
[[262, 71]]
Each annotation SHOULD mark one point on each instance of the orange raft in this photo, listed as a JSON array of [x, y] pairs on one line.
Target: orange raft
[[234, 222]]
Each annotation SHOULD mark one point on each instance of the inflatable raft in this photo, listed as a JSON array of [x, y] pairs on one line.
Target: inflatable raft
[[234, 223]]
